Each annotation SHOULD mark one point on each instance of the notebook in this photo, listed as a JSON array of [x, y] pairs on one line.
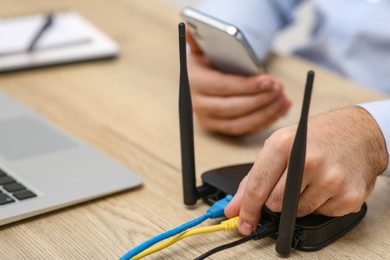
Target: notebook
[[42, 168], [64, 38]]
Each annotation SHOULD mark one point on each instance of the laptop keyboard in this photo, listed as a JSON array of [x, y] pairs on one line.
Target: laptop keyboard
[[11, 190]]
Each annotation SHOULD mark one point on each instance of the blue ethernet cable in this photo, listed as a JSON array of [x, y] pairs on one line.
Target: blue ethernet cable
[[215, 211]]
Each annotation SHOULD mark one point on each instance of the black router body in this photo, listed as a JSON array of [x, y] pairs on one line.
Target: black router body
[[308, 233], [311, 232]]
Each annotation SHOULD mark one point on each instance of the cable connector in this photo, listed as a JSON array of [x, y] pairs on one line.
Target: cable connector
[[205, 190], [218, 208], [264, 230], [230, 224]]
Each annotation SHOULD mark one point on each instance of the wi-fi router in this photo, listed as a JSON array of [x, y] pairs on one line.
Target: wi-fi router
[[308, 233]]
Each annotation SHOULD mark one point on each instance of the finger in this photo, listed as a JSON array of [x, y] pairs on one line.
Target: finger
[[262, 178], [274, 201], [342, 204], [193, 45], [276, 197], [233, 106], [320, 182], [209, 81], [311, 199], [248, 124], [233, 208]]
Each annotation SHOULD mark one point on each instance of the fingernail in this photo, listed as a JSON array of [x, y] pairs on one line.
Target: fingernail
[[264, 84], [277, 88], [288, 103], [246, 229]]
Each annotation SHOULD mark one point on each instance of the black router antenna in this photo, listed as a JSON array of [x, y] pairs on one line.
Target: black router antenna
[[190, 191], [294, 176]]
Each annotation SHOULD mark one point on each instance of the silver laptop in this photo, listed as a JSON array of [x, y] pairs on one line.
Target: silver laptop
[[42, 168]]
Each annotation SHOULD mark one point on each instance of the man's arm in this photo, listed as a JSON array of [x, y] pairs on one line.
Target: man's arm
[[346, 151]]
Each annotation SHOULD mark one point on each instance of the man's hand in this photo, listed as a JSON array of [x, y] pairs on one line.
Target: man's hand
[[233, 104], [345, 153]]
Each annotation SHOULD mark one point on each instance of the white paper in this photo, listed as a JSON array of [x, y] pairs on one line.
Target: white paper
[[18, 33], [70, 38]]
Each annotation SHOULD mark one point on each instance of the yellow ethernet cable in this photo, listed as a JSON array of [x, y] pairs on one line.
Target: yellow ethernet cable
[[226, 225]]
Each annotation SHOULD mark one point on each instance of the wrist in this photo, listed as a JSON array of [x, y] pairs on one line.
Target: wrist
[[375, 144]]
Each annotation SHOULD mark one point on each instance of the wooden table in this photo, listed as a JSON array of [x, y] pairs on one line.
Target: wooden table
[[128, 109]]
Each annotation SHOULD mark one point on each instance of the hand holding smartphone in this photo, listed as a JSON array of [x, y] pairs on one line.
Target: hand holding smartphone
[[242, 99]]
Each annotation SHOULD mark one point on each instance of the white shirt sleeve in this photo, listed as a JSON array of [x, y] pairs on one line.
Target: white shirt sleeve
[[259, 20], [380, 112]]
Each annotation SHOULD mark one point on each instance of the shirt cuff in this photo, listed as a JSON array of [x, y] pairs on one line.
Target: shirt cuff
[[379, 111]]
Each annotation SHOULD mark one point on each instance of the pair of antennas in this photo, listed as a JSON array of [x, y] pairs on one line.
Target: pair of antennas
[[308, 233]]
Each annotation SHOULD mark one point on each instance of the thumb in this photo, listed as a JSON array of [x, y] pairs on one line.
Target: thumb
[[233, 208], [193, 45]]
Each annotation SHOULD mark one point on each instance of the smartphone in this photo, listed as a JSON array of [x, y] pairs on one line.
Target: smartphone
[[224, 44]]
